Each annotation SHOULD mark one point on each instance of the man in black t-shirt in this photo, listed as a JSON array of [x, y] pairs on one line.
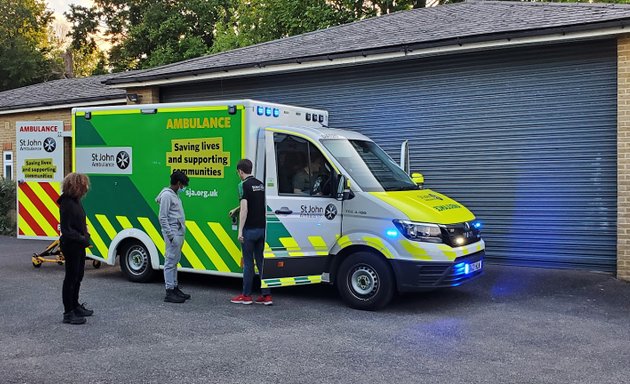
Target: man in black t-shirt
[[251, 231]]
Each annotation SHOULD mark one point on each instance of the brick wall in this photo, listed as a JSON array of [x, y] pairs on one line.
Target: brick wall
[[7, 131], [623, 158], [148, 95]]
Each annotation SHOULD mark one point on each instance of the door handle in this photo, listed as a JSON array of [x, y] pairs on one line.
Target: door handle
[[283, 211]]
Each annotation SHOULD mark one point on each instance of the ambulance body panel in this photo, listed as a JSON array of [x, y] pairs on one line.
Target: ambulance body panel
[[339, 210]]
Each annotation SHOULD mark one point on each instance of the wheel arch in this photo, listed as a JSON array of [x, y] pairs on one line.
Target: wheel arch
[[338, 258], [126, 236]]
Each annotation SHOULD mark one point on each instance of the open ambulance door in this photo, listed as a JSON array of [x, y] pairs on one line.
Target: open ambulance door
[[303, 215]]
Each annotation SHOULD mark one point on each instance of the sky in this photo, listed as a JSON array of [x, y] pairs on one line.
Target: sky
[[61, 6]]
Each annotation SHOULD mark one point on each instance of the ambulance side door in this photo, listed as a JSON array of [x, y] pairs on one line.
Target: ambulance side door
[[303, 219]]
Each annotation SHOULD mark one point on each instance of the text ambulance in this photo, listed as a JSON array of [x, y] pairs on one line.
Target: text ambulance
[[339, 209]]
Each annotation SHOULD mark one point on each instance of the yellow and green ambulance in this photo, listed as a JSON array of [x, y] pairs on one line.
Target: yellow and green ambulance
[[339, 209]]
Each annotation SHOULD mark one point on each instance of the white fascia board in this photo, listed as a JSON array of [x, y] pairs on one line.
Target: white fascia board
[[381, 57], [122, 100]]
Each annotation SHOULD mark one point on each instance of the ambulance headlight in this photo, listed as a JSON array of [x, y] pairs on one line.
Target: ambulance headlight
[[428, 233]]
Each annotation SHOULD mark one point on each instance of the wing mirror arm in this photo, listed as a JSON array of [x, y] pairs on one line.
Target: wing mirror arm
[[343, 188]]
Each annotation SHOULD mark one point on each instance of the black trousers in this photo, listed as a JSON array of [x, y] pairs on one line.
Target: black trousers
[[74, 255]]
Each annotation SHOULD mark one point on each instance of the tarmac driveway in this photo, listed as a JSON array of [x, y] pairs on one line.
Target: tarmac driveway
[[513, 325]]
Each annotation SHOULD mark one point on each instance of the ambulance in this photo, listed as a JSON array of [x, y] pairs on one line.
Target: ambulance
[[339, 209]]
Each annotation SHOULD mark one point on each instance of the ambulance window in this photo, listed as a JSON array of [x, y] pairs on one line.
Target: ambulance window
[[302, 169]]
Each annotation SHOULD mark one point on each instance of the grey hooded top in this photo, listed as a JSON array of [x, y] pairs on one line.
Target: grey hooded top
[[171, 214]]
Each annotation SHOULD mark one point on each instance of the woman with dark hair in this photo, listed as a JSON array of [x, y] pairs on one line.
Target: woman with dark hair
[[74, 239]]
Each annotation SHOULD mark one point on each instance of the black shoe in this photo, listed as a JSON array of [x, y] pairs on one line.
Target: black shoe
[[73, 318], [82, 311], [179, 293], [172, 297]]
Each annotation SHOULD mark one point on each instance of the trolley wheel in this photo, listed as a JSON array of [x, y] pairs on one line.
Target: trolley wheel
[[37, 263], [96, 264], [60, 262], [365, 281]]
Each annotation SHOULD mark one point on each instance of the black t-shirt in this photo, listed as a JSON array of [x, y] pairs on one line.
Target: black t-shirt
[[254, 193]]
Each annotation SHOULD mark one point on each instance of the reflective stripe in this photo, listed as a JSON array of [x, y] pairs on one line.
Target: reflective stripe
[[124, 222], [292, 246], [268, 252], [96, 239], [415, 250], [290, 281], [36, 215], [377, 243], [319, 245], [207, 247], [227, 242], [153, 233], [107, 226]]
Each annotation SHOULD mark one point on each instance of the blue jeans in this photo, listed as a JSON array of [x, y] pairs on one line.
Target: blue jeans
[[253, 247]]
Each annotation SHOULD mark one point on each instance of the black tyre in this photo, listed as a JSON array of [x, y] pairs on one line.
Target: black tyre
[[135, 262], [96, 264], [365, 281]]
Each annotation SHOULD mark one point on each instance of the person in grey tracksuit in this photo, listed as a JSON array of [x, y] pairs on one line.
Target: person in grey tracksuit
[[173, 223]]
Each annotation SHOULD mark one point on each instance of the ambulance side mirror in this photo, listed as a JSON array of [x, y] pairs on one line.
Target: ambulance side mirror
[[343, 188], [417, 178]]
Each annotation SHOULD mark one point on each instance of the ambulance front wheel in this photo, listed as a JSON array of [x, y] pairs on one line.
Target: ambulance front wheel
[[365, 281], [135, 262]]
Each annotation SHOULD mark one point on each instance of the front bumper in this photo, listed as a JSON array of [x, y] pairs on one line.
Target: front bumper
[[426, 275]]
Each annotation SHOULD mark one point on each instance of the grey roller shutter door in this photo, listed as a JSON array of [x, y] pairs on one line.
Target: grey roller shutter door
[[526, 138]]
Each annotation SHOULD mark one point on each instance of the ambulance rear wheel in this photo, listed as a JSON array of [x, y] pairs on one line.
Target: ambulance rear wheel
[[135, 262], [365, 281]]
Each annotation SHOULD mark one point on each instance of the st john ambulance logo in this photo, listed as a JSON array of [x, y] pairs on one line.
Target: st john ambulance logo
[[122, 160], [50, 144], [330, 212]]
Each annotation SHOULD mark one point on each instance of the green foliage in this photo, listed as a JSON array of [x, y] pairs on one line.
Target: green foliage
[[26, 53], [7, 207]]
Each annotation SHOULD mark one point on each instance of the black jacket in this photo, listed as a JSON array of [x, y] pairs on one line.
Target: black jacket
[[72, 221]]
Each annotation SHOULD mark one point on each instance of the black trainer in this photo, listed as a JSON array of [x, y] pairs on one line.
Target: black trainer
[[73, 318], [172, 297], [82, 311], [179, 293]]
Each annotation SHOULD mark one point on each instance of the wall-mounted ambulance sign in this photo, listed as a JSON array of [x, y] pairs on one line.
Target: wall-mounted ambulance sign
[[40, 168]]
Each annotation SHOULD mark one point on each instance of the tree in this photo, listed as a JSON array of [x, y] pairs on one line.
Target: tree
[[255, 21], [147, 33], [26, 52]]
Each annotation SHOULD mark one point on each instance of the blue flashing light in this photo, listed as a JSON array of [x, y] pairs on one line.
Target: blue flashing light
[[392, 232], [467, 269], [477, 224], [460, 265], [268, 111], [276, 112], [260, 111]]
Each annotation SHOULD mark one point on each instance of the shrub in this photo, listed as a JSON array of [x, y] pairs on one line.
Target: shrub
[[7, 207]]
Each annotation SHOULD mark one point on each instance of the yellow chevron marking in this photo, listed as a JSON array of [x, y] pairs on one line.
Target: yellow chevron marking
[[124, 222], [378, 244], [34, 212], [45, 199], [192, 257], [415, 250], [96, 239], [208, 249], [290, 281], [107, 226], [448, 252], [292, 246], [268, 253], [344, 241], [319, 245], [227, 242], [152, 232], [23, 225]]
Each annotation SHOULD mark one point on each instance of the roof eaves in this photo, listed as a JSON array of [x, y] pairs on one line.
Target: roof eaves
[[61, 102], [620, 23]]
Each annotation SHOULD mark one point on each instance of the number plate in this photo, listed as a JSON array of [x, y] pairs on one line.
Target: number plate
[[475, 266]]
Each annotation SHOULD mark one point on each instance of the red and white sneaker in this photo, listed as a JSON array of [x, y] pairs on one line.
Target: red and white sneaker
[[265, 300], [242, 299]]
